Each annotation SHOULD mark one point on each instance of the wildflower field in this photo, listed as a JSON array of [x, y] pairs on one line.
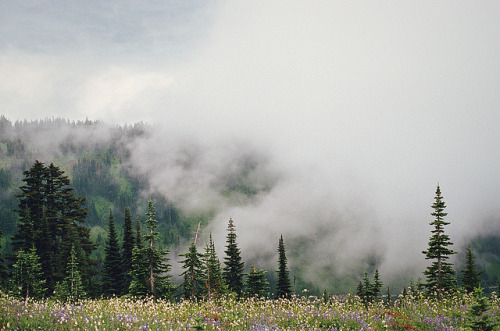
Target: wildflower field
[[298, 313]]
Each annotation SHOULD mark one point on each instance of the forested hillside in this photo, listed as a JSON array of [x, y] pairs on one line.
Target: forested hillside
[[96, 158]]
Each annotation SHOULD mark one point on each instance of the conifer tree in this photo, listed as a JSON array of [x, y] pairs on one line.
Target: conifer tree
[[377, 285], [150, 264], [360, 292], [28, 275], [256, 284], [51, 219], [127, 247], [31, 205], [113, 272], [367, 292], [283, 288], [478, 317], [139, 273], [3, 268], [233, 269], [138, 235], [214, 283], [470, 275], [389, 297], [440, 274], [193, 273], [73, 286]]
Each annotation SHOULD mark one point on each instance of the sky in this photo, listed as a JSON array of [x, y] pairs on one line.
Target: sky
[[359, 109]]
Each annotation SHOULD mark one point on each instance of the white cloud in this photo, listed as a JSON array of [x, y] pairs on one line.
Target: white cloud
[[362, 108]]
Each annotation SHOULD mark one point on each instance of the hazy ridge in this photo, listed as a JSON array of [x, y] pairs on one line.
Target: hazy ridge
[[195, 181]]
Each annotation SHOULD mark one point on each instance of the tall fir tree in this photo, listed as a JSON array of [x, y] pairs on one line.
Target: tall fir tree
[[377, 286], [28, 275], [139, 273], [127, 247], [193, 287], [283, 288], [214, 282], [367, 290], [256, 284], [150, 264], [233, 269], [73, 286], [470, 275], [31, 207], [51, 219], [112, 267], [440, 274]]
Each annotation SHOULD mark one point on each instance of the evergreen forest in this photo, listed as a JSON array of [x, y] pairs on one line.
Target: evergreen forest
[[75, 223]]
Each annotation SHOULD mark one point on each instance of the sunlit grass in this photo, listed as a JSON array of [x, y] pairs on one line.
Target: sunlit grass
[[346, 313]]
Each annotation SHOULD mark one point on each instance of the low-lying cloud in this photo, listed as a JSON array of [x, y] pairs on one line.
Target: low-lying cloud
[[351, 114]]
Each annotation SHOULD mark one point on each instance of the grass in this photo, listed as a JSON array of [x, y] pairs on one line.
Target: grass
[[228, 313]]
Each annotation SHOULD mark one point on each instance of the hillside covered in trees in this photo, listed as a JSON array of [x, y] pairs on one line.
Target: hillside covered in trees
[[96, 160]]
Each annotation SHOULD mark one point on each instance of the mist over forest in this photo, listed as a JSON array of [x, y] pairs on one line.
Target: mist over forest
[[334, 230]]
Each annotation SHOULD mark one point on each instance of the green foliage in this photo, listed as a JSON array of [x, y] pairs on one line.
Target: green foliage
[[440, 274], [127, 247], [113, 264], [256, 284], [215, 286], [369, 292], [138, 274], [3, 268], [51, 220], [470, 275], [283, 288], [479, 315], [28, 276], [150, 265], [377, 285], [193, 284], [233, 267], [72, 287]]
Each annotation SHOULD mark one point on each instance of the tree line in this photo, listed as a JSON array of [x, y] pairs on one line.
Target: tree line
[[54, 254]]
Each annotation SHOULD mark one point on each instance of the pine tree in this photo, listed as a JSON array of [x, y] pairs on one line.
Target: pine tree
[[233, 269], [139, 273], [478, 317], [367, 292], [214, 282], [440, 274], [150, 264], [28, 275], [127, 247], [377, 286], [283, 288], [51, 219], [31, 206], [4, 274], [193, 273], [73, 285], [470, 275], [138, 235], [112, 266], [256, 284], [360, 291], [389, 297]]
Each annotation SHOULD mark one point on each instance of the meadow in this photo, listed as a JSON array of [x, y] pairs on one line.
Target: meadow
[[412, 312]]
